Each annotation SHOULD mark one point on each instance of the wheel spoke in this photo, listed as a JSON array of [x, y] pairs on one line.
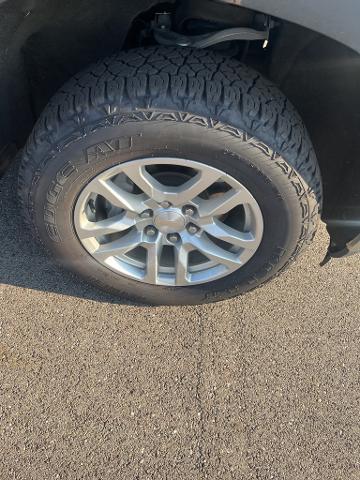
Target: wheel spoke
[[153, 254], [117, 196], [118, 247], [119, 223], [196, 185], [182, 264], [176, 195], [223, 204], [147, 183], [213, 252], [240, 239]]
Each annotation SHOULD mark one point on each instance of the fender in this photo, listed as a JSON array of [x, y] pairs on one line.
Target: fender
[[337, 20]]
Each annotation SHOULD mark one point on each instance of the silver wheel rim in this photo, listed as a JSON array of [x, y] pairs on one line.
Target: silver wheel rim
[[168, 221]]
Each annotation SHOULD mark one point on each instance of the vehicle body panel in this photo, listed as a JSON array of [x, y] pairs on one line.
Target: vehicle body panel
[[338, 20]]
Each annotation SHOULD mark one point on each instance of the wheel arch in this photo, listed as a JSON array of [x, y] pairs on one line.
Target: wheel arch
[[328, 17]]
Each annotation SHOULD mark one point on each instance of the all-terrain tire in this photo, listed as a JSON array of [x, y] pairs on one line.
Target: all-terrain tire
[[163, 100]]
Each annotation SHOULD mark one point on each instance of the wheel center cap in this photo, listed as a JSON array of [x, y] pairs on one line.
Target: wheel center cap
[[169, 221]]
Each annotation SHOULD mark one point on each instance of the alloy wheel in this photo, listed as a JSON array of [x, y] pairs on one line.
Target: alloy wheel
[[168, 221]]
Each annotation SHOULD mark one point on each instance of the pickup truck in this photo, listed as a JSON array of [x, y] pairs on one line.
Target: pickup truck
[[182, 152]]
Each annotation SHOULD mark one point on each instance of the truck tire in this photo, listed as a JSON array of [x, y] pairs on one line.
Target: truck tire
[[171, 176]]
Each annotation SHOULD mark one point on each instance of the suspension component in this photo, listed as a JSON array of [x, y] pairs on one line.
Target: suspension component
[[165, 36]]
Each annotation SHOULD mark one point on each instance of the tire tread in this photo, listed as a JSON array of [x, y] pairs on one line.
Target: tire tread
[[195, 81]]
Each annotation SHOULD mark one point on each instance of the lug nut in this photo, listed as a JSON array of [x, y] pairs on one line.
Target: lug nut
[[150, 231], [173, 237], [189, 210], [147, 214], [192, 229], [165, 204]]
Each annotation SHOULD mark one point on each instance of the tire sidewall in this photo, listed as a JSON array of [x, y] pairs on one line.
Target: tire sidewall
[[73, 167]]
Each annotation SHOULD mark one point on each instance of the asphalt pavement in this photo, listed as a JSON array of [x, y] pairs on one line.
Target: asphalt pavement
[[265, 386]]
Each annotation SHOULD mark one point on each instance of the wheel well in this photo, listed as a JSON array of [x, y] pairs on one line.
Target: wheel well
[[321, 77], [40, 48]]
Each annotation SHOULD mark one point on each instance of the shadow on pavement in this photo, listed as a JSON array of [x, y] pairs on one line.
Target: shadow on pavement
[[23, 263]]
